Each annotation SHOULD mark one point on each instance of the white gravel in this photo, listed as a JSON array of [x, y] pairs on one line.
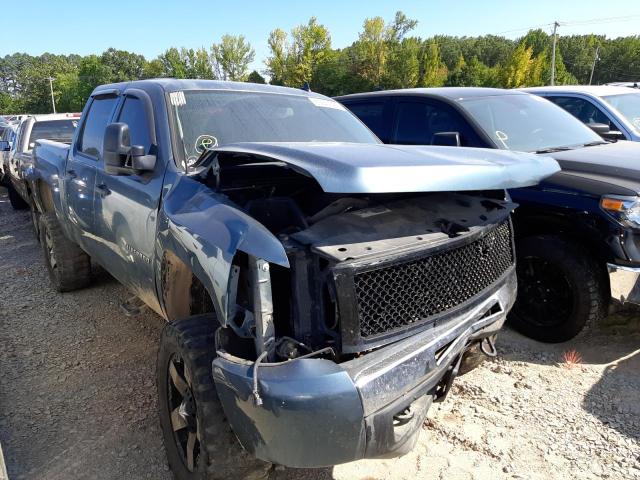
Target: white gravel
[[77, 393]]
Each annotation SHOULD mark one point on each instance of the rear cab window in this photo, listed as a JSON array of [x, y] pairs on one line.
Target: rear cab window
[[57, 130], [98, 116]]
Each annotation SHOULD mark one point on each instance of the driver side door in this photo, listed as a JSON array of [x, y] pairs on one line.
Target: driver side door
[[126, 205]]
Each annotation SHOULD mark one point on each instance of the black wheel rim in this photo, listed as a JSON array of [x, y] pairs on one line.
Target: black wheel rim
[[51, 255], [182, 413], [545, 294]]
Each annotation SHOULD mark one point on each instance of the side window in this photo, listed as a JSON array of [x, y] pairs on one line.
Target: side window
[[98, 116], [582, 109], [19, 136], [372, 115], [134, 115], [417, 123]]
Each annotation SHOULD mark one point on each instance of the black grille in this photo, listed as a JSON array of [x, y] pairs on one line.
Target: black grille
[[401, 295]]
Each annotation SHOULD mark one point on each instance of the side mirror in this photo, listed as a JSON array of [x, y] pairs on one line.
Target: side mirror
[[120, 157], [446, 139], [613, 135], [599, 128], [5, 146]]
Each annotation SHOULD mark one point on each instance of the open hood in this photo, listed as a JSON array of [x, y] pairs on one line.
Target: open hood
[[378, 168]]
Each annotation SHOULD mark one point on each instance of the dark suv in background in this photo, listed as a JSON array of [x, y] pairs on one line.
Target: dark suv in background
[[577, 233]]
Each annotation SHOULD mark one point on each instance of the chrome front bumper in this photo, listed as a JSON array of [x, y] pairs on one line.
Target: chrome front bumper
[[625, 283]]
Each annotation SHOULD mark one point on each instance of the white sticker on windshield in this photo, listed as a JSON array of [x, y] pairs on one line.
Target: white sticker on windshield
[[326, 103], [177, 99]]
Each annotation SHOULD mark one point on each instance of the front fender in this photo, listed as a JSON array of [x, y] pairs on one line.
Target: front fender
[[205, 230]]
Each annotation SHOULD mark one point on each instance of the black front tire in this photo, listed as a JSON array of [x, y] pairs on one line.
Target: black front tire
[[198, 439], [16, 201], [560, 289], [68, 265]]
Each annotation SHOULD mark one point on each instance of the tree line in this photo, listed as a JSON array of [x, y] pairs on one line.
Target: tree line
[[385, 55]]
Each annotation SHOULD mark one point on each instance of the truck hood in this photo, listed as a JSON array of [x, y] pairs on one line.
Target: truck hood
[[379, 168], [613, 160]]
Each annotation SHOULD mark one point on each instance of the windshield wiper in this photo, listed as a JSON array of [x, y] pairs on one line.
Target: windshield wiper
[[553, 149], [593, 144]]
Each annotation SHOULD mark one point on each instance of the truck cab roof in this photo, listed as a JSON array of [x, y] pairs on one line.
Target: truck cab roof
[[593, 90], [452, 93], [174, 85]]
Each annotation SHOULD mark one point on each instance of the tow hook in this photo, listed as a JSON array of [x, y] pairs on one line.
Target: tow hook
[[488, 347], [445, 386]]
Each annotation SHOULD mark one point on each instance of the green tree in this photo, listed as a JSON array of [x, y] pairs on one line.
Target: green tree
[[91, 73], [255, 77], [173, 64], [295, 61], [124, 66], [517, 70], [153, 69], [579, 52], [309, 46], [231, 58], [69, 96], [433, 71], [372, 51], [404, 64], [197, 63], [277, 64]]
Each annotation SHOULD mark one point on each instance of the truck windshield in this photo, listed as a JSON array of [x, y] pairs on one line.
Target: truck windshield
[[210, 118], [628, 104], [528, 123], [57, 130]]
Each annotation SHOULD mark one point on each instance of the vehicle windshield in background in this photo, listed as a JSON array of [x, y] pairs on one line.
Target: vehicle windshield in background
[[56, 130], [206, 119], [628, 105], [528, 123]]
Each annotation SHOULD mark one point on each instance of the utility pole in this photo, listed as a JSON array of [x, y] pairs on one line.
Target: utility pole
[[53, 100], [553, 53], [593, 66]]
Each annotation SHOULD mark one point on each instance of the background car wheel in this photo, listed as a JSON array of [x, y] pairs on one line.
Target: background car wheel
[[197, 437], [16, 200], [560, 289], [68, 265]]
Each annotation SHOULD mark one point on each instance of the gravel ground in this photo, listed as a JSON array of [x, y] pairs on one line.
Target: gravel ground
[[77, 393]]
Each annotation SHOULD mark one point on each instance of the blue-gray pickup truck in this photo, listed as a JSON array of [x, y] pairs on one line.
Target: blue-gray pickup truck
[[321, 288]]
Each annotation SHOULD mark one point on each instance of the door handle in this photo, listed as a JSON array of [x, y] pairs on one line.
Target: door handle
[[103, 189], [71, 174]]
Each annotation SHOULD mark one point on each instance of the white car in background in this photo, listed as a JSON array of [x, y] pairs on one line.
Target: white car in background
[[59, 127], [615, 107], [7, 136], [625, 84]]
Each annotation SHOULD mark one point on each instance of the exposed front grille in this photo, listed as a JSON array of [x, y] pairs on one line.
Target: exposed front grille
[[401, 295]]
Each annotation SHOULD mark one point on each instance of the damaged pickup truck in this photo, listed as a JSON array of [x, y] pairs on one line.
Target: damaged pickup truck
[[321, 288]]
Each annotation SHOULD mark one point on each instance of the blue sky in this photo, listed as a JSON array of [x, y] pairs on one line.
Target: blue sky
[[150, 27]]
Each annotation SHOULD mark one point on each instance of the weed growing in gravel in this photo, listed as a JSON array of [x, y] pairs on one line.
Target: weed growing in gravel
[[571, 358]]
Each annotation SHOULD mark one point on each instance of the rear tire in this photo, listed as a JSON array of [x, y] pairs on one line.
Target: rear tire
[[16, 201], [68, 265], [198, 440], [560, 289]]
